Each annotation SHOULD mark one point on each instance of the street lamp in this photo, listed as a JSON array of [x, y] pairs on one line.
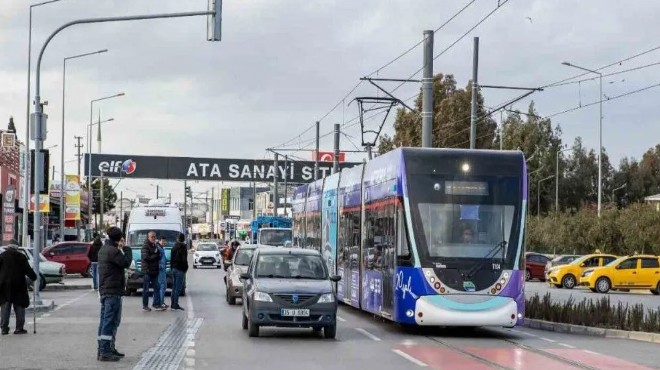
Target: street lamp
[[26, 175], [600, 132], [89, 175], [557, 179], [538, 190], [89, 149], [62, 205]]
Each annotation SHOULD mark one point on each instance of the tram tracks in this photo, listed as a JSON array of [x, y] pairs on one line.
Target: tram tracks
[[516, 344]]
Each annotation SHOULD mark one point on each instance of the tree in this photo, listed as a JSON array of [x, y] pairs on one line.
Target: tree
[[451, 122], [540, 143], [11, 127], [109, 196]]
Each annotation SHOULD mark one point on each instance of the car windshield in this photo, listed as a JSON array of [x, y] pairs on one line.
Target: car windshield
[[243, 256], [617, 261], [275, 236], [291, 266], [207, 248]]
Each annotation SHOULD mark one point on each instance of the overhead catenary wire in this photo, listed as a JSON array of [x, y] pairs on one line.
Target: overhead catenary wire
[[607, 75]]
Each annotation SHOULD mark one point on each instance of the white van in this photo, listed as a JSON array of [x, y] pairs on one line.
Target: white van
[[166, 221]]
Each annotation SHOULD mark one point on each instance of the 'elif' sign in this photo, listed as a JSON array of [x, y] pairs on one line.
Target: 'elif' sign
[[8, 213]]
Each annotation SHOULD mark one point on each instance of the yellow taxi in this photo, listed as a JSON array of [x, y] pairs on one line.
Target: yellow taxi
[[629, 272], [567, 276]]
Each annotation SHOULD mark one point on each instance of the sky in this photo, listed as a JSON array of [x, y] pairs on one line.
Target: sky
[[282, 65]]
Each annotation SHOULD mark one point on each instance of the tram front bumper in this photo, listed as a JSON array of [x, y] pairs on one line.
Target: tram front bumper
[[437, 310]]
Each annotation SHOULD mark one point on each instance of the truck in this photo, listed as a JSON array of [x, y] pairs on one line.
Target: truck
[[163, 219], [271, 230]]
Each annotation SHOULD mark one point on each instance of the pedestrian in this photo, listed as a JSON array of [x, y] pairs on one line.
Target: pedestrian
[[179, 263], [112, 281], [14, 267], [162, 273], [93, 255], [150, 255]]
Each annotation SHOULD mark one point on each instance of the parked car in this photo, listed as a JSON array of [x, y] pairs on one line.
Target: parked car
[[560, 260], [239, 265], [206, 254], [49, 272], [535, 266], [288, 287], [629, 272], [73, 255], [568, 275]]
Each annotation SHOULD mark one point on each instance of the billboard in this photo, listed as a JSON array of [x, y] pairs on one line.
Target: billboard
[[213, 169], [9, 213], [72, 198]]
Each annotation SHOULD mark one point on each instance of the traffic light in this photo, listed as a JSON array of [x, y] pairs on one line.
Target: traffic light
[[188, 192], [214, 20]]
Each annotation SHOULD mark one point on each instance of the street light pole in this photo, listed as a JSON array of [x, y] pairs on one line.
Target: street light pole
[[600, 131], [26, 158], [62, 205]]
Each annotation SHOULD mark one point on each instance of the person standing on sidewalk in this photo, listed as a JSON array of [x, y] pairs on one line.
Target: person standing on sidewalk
[[93, 255], [150, 255], [162, 273], [14, 267], [112, 263], [179, 263]]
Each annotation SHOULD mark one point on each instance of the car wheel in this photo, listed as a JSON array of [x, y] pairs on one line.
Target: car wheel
[[245, 322], [88, 272], [253, 329], [568, 281], [330, 331], [528, 275], [656, 291], [603, 285]]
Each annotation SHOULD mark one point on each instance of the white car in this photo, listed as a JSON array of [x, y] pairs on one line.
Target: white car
[[207, 254]]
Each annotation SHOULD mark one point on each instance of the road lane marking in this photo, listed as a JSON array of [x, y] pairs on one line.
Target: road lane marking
[[369, 335], [548, 340], [566, 345], [341, 318], [526, 333], [409, 358]]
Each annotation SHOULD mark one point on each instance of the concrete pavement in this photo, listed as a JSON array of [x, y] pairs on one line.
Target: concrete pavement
[[208, 335]]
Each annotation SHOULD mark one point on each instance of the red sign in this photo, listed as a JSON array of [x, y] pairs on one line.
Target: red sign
[[328, 156]]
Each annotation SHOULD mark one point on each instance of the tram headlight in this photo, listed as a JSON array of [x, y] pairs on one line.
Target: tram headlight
[[465, 167], [432, 280], [410, 313]]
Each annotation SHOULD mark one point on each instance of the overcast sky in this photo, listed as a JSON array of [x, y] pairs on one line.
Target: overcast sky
[[284, 64]]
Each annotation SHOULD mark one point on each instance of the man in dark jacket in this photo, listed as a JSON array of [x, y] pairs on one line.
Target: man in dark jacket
[[14, 267], [179, 263], [93, 255], [112, 282], [150, 256]]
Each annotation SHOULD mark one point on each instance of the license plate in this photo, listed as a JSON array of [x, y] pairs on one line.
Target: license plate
[[296, 312]]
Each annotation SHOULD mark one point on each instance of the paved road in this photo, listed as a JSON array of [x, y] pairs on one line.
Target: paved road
[[208, 335], [645, 297]]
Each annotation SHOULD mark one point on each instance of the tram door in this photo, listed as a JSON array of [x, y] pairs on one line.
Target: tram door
[[382, 221]]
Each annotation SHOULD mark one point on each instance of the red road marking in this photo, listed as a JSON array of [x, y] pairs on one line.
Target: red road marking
[[443, 358], [598, 361], [518, 358]]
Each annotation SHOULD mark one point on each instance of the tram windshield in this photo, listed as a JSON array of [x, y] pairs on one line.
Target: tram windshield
[[476, 220]]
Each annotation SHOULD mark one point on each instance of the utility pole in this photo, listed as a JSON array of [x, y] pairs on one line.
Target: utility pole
[[286, 182], [335, 160], [212, 212], [53, 177], [121, 209], [157, 191], [185, 207], [427, 91], [102, 200], [316, 160], [79, 155], [275, 192], [475, 86]]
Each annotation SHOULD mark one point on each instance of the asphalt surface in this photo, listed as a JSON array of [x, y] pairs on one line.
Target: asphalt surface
[[650, 301], [208, 335]]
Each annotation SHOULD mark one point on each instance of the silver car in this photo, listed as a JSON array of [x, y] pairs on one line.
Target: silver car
[[50, 272], [239, 264]]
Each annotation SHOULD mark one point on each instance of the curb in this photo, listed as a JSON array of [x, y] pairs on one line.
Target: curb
[[58, 287], [591, 331], [41, 308]]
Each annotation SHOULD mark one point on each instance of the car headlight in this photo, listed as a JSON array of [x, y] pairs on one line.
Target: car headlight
[[262, 297], [327, 298]]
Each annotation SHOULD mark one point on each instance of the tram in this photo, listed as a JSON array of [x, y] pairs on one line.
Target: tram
[[423, 236]]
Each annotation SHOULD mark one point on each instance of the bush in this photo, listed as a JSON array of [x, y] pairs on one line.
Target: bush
[[595, 313]]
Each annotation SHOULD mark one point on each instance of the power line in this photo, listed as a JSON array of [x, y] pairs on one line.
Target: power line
[[607, 75], [422, 40]]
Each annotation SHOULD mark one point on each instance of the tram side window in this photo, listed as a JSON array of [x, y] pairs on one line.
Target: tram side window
[[313, 235], [349, 236], [380, 236], [403, 248]]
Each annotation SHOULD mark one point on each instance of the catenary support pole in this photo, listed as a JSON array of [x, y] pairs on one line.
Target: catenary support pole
[[275, 192], [316, 159], [427, 91], [335, 160], [475, 91]]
